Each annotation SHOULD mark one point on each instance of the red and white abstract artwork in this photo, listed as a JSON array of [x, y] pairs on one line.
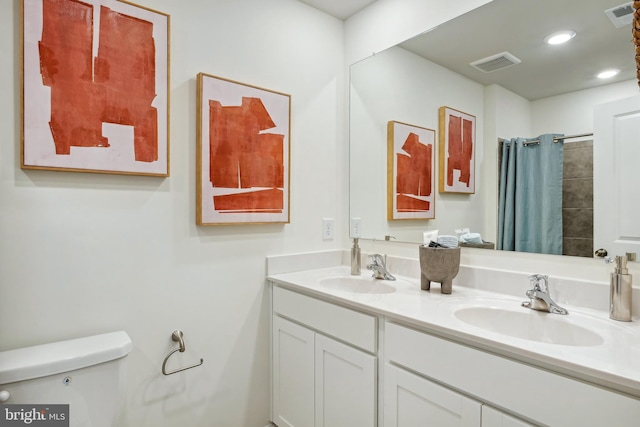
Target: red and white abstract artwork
[[95, 87], [243, 153], [457, 151], [411, 172]]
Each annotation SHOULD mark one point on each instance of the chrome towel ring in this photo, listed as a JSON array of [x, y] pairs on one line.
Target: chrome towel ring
[[177, 336]]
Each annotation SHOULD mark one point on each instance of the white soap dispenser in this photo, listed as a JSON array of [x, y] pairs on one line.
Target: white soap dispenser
[[620, 296]]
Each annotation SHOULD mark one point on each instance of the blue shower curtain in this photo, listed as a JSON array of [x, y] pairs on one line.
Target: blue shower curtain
[[530, 200]]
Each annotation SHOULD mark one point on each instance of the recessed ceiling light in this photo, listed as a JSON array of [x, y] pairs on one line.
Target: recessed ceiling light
[[560, 37], [607, 74]]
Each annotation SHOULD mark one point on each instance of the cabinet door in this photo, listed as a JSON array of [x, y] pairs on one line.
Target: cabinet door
[[411, 401], [345, 385], [292, 370], [491, 417]]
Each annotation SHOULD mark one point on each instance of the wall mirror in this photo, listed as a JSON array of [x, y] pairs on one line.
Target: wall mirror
[[552, 90]]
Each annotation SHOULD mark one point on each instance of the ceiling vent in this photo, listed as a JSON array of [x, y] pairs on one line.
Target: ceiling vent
[[621, 15], [495, 62]]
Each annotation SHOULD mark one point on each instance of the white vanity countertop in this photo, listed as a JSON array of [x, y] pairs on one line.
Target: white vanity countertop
[[611, 360]]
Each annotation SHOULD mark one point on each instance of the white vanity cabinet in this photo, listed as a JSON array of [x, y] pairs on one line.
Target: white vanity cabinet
[[317, 378], [534, 394], [411, 400], [329, 370], [345, 385], [293, 374]]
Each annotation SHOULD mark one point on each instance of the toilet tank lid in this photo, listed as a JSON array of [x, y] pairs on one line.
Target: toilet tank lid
[[53, 358]]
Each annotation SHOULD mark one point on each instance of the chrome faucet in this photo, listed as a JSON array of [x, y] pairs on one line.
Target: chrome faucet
[[539, 297], [379, 268]]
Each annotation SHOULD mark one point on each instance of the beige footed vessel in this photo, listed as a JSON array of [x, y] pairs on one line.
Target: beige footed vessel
[[438, 265]]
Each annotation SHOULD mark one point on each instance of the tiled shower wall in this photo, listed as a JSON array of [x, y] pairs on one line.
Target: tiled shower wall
[[577, 199]]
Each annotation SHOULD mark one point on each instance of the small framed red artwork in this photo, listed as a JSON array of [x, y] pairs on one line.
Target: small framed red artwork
[[410, 172], [457, 151], [243, 143], [95, 87]]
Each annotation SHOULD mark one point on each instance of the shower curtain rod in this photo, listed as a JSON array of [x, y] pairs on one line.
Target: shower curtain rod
[[558, 138]]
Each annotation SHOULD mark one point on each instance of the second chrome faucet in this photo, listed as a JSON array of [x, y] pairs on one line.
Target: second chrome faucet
[[379, 268], [539, 296]]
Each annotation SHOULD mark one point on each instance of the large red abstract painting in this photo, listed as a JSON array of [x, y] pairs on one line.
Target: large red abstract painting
[[411, 172], [243, 153], [95, 87], [457, 151]]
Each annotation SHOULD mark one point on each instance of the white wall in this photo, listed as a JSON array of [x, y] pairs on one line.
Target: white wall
[[511, 112], [89, 253], [399, 85], [572, 113], [506, 114]]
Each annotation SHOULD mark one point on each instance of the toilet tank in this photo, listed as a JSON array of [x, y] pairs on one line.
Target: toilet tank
[[88, 374]]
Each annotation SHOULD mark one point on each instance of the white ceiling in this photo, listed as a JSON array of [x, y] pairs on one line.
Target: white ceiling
[[339, 8], [519, 27]]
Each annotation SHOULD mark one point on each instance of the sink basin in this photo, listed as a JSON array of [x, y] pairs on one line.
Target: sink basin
[[358, 285], [530, 325]]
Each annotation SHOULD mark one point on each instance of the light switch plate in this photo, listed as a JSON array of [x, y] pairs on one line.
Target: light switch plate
[[356, 227], [328, 225]]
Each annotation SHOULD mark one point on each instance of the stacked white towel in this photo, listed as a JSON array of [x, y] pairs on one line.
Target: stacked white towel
[[448, 241], [471, 238]]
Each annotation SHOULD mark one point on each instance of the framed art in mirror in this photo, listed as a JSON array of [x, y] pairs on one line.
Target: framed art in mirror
[[457, 151], [410, 172], [242, 164], [95, 96]]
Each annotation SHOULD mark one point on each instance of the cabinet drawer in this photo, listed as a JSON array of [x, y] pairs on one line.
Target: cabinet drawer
[[509, 384], [358, 329]]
